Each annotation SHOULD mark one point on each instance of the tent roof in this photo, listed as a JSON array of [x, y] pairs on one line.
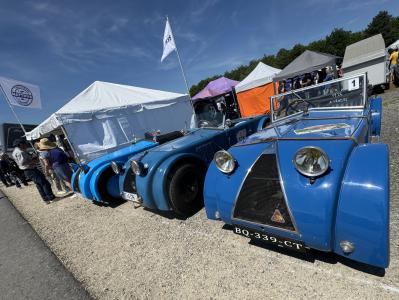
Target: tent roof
[[104, 96], [216, 87], [307, 62], [364, 50], [261, 75], [394, 44]]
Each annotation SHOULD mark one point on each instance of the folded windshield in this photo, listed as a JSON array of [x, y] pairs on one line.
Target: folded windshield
[[349, 92]]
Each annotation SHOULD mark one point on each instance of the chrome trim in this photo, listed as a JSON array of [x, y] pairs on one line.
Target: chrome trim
[[232, 158], [267, 151], [273, 139], [306, 173]]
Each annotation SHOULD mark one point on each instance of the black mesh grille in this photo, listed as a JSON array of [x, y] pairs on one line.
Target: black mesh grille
[[129, 185], [261, 196], [75, 183]]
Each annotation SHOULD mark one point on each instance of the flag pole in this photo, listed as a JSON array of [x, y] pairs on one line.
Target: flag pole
[[16, 116], [181, 66]]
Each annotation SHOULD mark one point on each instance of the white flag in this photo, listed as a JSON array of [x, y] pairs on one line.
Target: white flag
[[21, 93], [168, 41]]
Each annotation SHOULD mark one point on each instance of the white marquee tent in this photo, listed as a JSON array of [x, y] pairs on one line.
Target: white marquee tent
[[261, 75], [106, 116], [394, 45]]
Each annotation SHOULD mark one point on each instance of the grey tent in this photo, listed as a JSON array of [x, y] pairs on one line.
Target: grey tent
[[307, 62]]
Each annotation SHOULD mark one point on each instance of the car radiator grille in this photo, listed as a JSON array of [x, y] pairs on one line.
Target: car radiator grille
[[129, 185], [261, 199]]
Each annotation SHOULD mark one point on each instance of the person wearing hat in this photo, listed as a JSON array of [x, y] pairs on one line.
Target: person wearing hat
[[59, 184], [28, 164], [55, 158]]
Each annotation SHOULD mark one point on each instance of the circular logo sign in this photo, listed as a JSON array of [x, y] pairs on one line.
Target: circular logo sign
[[22, 95]]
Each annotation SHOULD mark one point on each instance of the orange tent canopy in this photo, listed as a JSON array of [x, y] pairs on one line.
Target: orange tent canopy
[[255, 101], [253, 91]]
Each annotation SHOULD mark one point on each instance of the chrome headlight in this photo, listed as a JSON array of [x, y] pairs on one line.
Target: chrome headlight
[[224, 161], [116, 167], [311, 161], [137, 167]]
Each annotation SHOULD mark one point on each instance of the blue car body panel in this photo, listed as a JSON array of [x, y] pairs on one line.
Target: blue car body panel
[[198, 146], [350, 202], [88, 180]]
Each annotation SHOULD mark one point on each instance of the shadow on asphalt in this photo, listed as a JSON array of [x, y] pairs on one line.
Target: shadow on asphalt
[[312, 255]]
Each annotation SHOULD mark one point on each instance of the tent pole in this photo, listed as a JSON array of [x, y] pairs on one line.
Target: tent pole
[[72, 147], [16, 117]]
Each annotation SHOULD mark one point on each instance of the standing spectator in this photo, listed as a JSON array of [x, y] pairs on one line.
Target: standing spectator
[[50, 174], [27, 163], [11, 171], [281, 87], [297, 83], [393, 63], [55, 158], [307, 80], [4, 176]]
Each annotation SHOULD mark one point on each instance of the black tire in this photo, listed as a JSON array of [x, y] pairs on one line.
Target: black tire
[[185, 189]]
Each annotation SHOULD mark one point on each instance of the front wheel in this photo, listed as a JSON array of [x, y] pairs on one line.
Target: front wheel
[[185, 189]]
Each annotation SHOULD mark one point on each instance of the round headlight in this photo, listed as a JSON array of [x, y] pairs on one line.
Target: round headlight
[[116, 167], [311, 161], [137, 167], [224, 161]]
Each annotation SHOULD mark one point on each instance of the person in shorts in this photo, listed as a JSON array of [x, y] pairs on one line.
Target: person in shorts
[[55, 158]]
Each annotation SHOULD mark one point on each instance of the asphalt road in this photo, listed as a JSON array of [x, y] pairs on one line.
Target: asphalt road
[[28, 269]]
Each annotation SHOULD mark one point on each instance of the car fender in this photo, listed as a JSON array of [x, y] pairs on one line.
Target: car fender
[[376, 112], [363, 209], [153, 189], [112, 185], [263, 122]]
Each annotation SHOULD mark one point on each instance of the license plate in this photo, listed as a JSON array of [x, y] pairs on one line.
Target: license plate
[[130, 196], [272, 239]]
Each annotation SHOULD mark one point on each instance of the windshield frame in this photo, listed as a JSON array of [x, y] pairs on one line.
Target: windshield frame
[[271, 98]]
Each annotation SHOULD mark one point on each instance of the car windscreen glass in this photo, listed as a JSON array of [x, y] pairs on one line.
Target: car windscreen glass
[[342, 93], [208, 116]]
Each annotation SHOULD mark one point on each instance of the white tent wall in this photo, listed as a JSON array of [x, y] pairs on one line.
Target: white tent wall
[[92, 136], [106, 116]]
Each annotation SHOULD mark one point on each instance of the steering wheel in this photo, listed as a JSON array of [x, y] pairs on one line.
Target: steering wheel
[[295, 106], [212, 111]]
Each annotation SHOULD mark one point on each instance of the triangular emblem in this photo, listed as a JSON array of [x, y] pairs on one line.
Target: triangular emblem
[[277, 217]]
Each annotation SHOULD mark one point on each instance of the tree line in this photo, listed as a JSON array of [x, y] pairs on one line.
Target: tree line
[[335, 43]]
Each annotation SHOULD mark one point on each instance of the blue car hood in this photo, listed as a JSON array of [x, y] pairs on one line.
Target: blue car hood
[[193, 137], [315, 125]]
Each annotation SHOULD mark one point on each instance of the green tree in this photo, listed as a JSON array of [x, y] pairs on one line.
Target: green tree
[[382, 23], [335, 43]]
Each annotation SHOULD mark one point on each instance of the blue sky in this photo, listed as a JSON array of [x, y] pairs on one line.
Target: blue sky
[[63, 46]]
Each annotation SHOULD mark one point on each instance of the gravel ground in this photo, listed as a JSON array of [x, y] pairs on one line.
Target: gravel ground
[[122, 252]]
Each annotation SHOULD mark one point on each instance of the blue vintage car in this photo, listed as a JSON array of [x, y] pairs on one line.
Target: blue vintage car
[[313, 178], [96, 180], [171, 176]]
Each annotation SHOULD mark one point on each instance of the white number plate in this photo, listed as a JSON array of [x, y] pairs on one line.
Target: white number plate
[[271, 239], [130, 196]]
